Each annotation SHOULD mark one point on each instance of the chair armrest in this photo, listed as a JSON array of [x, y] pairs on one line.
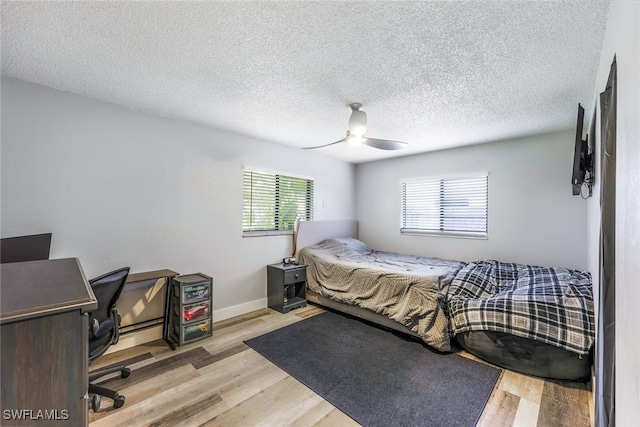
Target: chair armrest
[[98, 330], [94, 327], [110, 325], [116, 325]]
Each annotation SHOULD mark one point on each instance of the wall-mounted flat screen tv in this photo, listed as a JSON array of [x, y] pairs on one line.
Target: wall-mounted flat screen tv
[[582, 166]]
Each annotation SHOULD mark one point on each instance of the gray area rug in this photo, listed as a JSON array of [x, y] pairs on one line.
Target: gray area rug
[[377, 377]]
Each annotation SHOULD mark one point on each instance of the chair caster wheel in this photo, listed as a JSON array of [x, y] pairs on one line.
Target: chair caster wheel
[[125, 373], [118, 402], [95, 402]]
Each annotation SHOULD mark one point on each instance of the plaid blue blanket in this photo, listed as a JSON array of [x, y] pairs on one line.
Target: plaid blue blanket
[[548, 304]]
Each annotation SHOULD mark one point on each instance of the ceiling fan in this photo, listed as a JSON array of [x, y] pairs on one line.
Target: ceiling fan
[[357, 129]]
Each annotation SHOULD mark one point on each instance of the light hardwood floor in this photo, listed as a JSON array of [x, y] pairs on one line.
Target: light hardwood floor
[[220, 381]]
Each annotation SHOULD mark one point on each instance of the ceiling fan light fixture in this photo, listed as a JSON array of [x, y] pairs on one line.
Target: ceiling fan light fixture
[[358, 131], [354, 139], [357, 121]]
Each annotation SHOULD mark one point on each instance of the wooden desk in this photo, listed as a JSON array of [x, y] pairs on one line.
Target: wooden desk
[[152, 277], [44, 343]]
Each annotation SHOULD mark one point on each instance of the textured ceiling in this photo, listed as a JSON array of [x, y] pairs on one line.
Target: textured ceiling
[[432, 74]]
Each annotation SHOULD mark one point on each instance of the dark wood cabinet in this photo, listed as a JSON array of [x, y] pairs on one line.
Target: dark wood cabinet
[[44, 343], [286, 286]]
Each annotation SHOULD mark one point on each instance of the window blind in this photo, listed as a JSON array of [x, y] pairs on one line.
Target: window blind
[[455, 206], [273, 202]]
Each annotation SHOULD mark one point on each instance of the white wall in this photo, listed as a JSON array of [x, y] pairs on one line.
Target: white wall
[[533, 218], [622, 38], [121, 187]]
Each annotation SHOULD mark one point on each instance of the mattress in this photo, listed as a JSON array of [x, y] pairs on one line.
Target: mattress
[[551, 305]]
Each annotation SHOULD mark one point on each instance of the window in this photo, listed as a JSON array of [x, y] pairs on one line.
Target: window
[[452, 206], [272, 203]]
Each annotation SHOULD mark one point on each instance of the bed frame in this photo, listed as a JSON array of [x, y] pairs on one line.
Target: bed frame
[[309, 233]]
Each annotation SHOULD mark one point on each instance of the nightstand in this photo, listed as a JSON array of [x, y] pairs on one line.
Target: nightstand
[[286, 286]]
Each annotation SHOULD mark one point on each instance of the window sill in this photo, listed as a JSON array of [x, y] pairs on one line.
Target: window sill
[[267, 233], [456, 235]]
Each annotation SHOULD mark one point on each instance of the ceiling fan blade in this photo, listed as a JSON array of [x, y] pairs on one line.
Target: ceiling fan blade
[[384, 144], [326, 145]]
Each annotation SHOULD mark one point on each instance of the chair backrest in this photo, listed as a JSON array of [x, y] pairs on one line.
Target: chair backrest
[[107, 289]]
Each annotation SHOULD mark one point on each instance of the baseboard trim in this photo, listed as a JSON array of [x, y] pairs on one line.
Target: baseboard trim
[[155, 333], [238, 310]]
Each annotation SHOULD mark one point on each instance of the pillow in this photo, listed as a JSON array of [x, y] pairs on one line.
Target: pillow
[[353, 244]]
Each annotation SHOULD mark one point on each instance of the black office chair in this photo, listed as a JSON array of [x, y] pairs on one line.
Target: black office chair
[[104, 324]]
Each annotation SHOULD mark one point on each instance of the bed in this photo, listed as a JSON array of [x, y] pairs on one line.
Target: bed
[[534, 320], [404, 292]]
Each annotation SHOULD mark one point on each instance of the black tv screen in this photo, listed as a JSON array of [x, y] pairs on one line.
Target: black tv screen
[[580, 155], [25, 248]]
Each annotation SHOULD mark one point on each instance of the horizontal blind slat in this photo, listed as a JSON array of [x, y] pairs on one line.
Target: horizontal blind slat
[[445, 205], [273, 202]]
